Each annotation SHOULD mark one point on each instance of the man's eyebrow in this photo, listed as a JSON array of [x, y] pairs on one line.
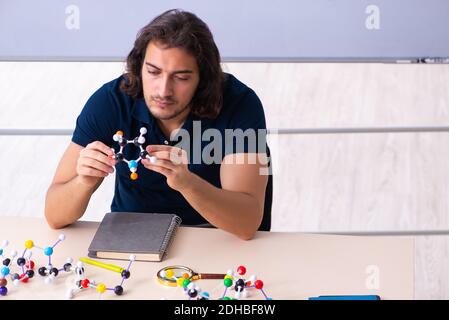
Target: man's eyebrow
[[175, 72]]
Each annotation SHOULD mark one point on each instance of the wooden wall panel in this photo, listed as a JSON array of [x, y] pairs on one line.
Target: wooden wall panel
[[51, 94], [361, 182], [29, 164]]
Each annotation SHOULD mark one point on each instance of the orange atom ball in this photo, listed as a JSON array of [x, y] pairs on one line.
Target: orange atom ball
[[120, 133], [134, 176]]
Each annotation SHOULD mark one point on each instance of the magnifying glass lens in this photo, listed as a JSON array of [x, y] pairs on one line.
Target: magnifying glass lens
[[175, 275], [180, 276]]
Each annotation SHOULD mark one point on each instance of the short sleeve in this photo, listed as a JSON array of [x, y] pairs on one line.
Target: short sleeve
[[247, 129], [96, 121]]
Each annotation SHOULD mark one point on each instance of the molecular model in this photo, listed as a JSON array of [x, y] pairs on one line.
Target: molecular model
[[81, 282], [49, 271], [23, 262], [232, 279], [241, 285], [194, 292], [138, 142], [190, 289]]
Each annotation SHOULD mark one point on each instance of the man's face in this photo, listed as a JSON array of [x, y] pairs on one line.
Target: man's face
[[170, 77]]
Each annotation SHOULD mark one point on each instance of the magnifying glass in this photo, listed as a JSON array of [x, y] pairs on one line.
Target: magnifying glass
[[169, 276]]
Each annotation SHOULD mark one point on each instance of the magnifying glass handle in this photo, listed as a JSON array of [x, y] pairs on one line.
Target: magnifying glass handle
[[211, 275]]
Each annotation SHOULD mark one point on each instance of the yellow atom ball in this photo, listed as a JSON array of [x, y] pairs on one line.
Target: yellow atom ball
[[29, 244], [228, 276], [179, 282], [101, 288], [169, 273]]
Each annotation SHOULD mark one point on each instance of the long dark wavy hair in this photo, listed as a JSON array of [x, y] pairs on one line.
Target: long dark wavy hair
[[180, 29]]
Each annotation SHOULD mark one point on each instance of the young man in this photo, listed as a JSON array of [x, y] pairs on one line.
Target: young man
[[175, 88]]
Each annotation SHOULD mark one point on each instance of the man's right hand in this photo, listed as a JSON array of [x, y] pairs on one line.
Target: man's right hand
[[94, 163]]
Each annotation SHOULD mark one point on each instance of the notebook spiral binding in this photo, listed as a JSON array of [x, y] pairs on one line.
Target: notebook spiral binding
[[175, 223]]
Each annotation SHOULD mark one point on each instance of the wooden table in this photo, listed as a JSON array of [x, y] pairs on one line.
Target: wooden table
[[291, 265]]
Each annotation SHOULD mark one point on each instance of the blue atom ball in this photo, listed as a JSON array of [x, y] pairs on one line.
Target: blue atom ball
[[132, 164], [3, 291], [5, 271], [48, 251]]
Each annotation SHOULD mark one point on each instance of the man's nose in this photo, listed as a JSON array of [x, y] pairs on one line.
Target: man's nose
[[165, 87]]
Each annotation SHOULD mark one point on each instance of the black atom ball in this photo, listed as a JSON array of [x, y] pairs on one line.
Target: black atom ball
[[238, 288], [123, 142], [240, 283], [67, 267], [42, 271], [21, 261], [143, 154], [118, 290], [192, 293], [30, 273], [119, 156], [54, 271], [126, 274]]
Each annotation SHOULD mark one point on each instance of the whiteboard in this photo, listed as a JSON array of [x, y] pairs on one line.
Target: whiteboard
[[244, 30]]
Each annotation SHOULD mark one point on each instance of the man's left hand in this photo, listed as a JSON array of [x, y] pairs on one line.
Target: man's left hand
[[172, 162]]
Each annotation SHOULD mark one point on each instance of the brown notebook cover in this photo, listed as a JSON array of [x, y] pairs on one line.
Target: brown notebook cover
[[146, 235]]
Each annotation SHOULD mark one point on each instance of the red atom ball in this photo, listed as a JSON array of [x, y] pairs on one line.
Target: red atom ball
[[23, 277], [241, 270], [30, 264], [85, 283]]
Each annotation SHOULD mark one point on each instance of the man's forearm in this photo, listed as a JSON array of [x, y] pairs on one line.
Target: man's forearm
[[236, 212], [66, 202]]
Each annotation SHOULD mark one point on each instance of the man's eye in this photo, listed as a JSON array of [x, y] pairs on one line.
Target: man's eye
[[182, 79], [153, 72]]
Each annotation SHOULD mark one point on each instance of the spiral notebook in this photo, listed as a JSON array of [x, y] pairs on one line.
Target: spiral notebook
[[146, 235]]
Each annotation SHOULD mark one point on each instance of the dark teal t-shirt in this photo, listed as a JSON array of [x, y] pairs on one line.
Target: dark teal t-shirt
[[109, 110]]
